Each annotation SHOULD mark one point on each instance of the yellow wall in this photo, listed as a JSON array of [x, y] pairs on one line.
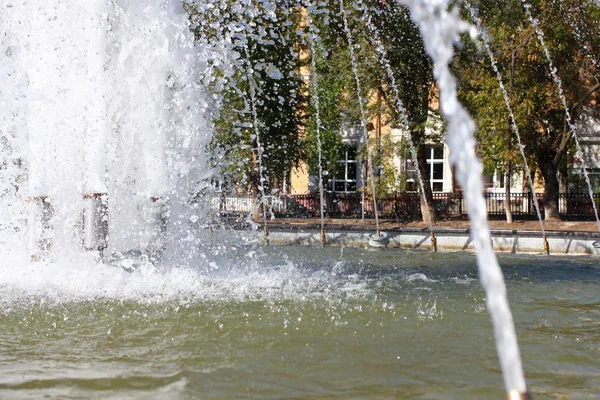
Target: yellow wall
[[299, 179]]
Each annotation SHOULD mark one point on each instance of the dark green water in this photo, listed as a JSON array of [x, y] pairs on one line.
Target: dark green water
[[295, 323]]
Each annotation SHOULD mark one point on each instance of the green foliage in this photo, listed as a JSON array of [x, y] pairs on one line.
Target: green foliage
[[410, 64], [570, 30], [331, 89], [271, 38], [337, 85], [266, 64], [391, 179]]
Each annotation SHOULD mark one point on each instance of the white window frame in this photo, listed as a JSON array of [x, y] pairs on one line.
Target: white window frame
[[347, 180], [431, 162]]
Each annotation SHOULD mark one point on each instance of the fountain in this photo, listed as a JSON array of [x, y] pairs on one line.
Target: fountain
[[102, 144], [102, 140]]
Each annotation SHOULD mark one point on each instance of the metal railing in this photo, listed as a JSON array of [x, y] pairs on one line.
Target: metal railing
[[405, 206]]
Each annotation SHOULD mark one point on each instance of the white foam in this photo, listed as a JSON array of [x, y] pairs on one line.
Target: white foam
[[214, 280], [419, 277]]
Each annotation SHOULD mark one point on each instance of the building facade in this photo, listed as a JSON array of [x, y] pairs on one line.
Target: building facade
[[351, 173]]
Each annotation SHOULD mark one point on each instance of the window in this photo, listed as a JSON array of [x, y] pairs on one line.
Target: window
[[346, 170], [435, 163], [500, 179], [577, 183], [494, 182]]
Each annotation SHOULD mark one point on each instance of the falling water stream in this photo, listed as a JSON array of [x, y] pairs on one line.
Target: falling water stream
[[380, 49], [440, 28], [256, 127], [361, 105], [89, 115], [314, 85]]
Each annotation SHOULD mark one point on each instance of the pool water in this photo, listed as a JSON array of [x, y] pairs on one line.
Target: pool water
[[294, 323]]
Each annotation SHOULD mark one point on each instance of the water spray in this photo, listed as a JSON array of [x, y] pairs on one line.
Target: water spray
[[380, 49], [156, 216], [568, 117], [95, 199], [259, 149], [93, 103]]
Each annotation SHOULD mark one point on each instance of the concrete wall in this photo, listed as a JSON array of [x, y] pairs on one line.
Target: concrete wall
[[511, 243]]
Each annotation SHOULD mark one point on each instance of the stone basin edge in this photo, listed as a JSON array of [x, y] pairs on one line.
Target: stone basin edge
[[448, 239]]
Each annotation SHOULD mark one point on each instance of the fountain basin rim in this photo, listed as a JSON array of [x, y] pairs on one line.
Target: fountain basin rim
[[441, 230], [448, 239]]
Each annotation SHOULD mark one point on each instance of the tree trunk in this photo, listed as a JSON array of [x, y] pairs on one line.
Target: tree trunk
[[551, 187], [428, 195], [507, 175], [507, 209], [257, 214], [562, 178]]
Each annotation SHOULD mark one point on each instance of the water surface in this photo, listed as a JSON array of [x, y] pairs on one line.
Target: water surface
[[294, 323]]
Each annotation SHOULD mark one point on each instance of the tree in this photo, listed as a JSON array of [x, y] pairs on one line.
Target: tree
[[410, 65], [266, 66], [414, 77], [333, 73], [288, 129], [570, 30]]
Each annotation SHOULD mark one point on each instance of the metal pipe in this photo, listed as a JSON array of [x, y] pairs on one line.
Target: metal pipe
[[40, 229], [322, 236], [95, 221], [433, 241], [546, 245]]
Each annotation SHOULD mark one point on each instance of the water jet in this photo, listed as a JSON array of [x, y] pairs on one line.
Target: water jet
[[95, 221]]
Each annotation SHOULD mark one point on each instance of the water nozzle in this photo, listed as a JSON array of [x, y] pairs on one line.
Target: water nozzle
[[40, 227], [515, 395], [95, 221], [156, 217]]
